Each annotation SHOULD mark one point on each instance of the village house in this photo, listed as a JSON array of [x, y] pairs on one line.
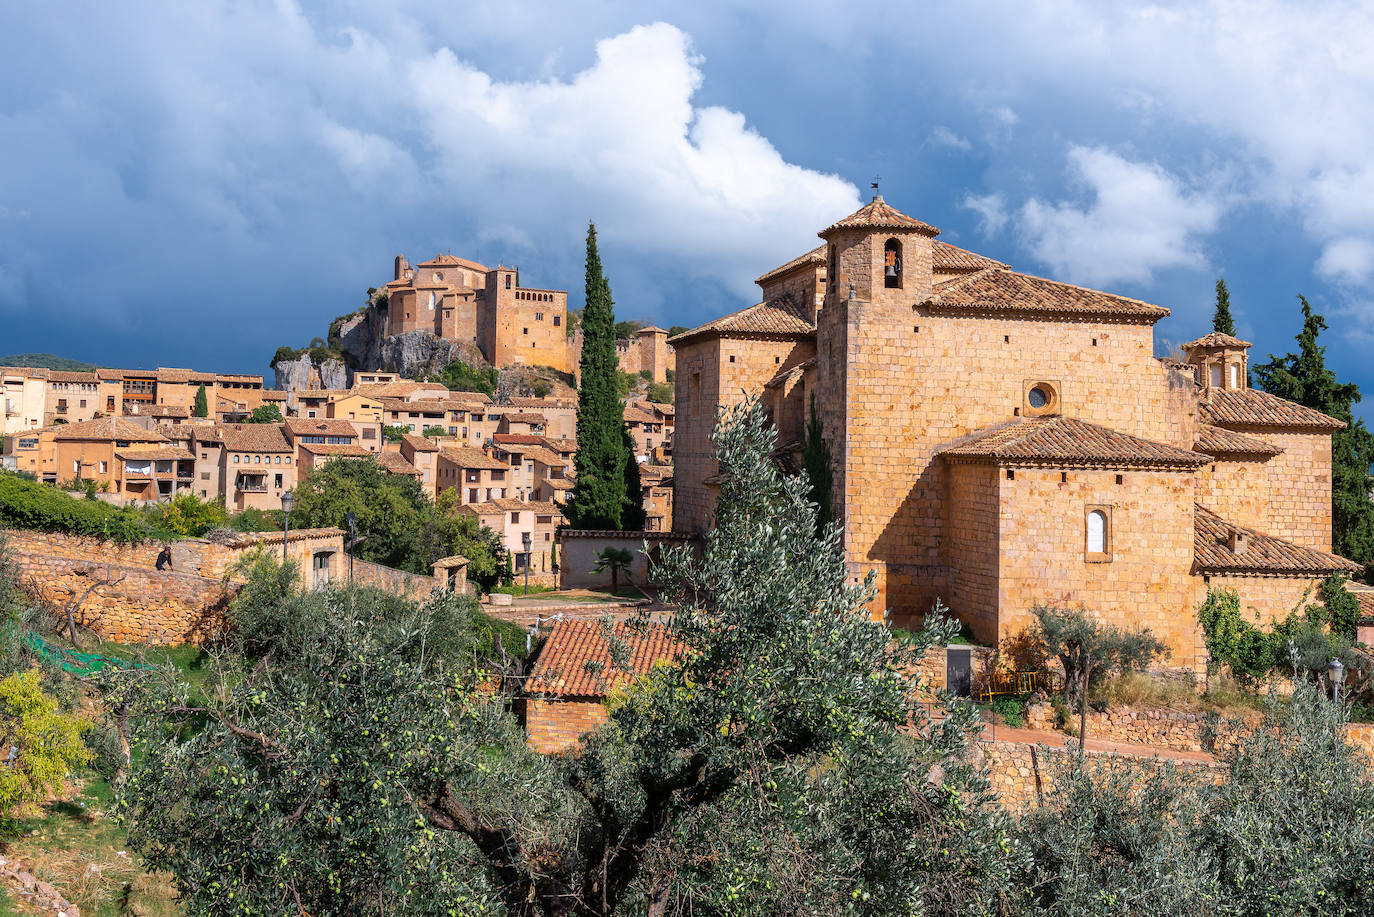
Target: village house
[[513, 520], [575, 672], [22, 395], [364, 412], [476, 476], [257, 465], [656, 494], [652, 436], [422, 455], [1000, 440]]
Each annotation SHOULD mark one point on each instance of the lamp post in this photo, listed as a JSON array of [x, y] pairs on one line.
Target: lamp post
[[288, 500], [1336, 670], [352, 521], [525, 543]]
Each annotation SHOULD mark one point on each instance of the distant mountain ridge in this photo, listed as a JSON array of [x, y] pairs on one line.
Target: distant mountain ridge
[[46, 361]]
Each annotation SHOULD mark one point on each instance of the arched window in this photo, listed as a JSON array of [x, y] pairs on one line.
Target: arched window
[[892, 264], [1216, 377], [1098, 538], [1235, 376], [431, 300], [508, 281]]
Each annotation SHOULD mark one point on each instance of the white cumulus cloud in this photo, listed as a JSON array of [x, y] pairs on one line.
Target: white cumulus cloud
[[1137, 219]]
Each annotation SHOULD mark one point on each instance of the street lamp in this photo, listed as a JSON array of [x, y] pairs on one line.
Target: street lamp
[[288, 500], [1337, 672], [525, 542]]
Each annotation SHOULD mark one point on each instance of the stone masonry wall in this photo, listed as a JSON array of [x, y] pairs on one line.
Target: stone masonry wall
[[711, 372], [1265, 599], [1287, 496], [141, 606], [1021, 772], [1145, 579], [555, 725], [1157, 728], [401, 582]]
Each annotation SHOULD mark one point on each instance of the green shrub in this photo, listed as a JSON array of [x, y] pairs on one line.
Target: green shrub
[[1091, 651], [266, 413], [434, 431], [1012, 710], [186, 515], [661, 393], [253, 519], [458, 376], [286, 355], [27, 504], [394, 433]]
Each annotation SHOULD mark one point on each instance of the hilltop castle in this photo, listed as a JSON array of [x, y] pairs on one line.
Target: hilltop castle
[[1000, 440], [461, 300]]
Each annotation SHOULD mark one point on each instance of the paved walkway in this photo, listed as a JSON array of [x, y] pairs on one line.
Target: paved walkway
[[994, 733]]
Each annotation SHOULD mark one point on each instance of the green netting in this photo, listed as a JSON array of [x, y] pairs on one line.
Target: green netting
[[76, 662]]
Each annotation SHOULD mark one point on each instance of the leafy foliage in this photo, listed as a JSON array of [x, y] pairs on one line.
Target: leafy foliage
[[202, 407], [1232, 640], [1284, 831], [1221, 318], [625, 330], [660, 393], [188, 516], [286, 355], [435, 431], [394, 433], [819, 471], [29, 504], [353, 768], [1091, 650], [46, 743], [616, 560], [599, 497], [265, 413], [675, 330], [1304, 378], [458, 376], [398, 524]]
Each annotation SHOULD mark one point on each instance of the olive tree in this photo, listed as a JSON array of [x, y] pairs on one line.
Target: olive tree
[[782, 764]]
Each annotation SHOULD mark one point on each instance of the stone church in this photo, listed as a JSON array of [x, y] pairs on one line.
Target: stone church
[[1000, 440]]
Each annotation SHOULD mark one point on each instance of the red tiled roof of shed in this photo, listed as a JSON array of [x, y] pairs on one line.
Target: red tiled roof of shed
[[576, 659]]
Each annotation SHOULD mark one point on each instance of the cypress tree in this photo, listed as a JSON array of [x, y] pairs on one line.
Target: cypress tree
[[598, 499], [1221, 319], [202, 402], [816, 463], [1303, 377], [632, 520]]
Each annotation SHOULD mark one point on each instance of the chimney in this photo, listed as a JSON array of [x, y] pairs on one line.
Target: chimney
[[1238, 542]]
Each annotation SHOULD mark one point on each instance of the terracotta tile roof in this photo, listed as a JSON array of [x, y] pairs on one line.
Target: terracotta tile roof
[[652, 329], [237, 377], [559, 483], [467, 457], [111, 375], [564, 446], [254, 437], [1254, 408], [395, 463], [177, 432], [524, 417], [319, 426], [1002, 290], [1212, 551], [1214, 440], [453, 259], [815, 256], [877, 214], [951, 259], [1066, 441], [272, 394], [777, 316], [173, 375], [419, 443], [1365, 598], [205, 433], [547, 457], [576, 659], [540, 403], [30, 372], [169, 410], [166, 452], [349, 450], [401, 406], [517, 439], [1216, 339], [639, 415], [509, 505], [113, 428], [400, 388], [63, 375]]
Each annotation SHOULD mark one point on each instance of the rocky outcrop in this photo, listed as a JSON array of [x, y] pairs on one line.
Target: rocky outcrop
[[415, 354], [34, 890], [304, 373]]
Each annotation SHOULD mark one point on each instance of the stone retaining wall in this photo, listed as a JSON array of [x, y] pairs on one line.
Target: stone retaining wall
[[1021, 772], [1170, 729], [139, 606]]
